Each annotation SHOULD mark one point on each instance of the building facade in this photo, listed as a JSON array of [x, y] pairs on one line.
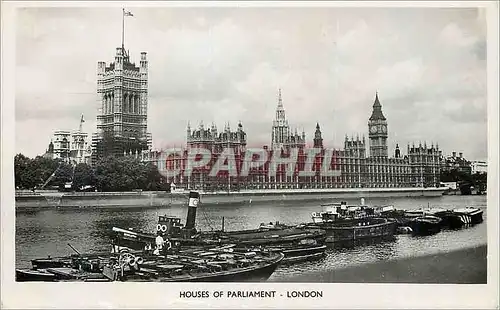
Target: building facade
[[459, 163], [419, 167], [122, 117], [71, 147], [479, 166]]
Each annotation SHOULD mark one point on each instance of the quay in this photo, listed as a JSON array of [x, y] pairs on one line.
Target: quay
[[464, 266], [41, 199]]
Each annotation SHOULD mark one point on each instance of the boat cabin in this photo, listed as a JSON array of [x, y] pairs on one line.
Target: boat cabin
[[335, 211], [169, 225]]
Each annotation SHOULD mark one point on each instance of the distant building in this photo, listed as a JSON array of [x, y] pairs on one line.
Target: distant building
[[478, 166], [71, 147], [60, 144], [122, 118], [215, 141], [281, 134], [419, 167], [455, 162]]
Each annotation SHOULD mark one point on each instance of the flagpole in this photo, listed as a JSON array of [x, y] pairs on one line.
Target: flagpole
[[123, 30]]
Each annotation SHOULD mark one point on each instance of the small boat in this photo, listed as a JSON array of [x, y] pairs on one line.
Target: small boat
[[305, 249], [449, 219], [470, 215], [34, 275], [425, 225], [298, 253]]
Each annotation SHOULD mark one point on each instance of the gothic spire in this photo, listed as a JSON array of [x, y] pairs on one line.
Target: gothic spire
[[377, 110], [280, 101]]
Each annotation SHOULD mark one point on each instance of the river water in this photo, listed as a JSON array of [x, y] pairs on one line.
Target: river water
[[48, 232]]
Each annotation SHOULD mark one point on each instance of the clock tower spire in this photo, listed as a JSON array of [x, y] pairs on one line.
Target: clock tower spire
[[377, 131]]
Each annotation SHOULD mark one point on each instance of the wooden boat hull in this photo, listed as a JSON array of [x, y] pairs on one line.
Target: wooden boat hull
[[259, 274], [451, 220], [471, 216], [422, 227], [252, 273], [305, 253], [357, 229], [257, 237], [34, 276]]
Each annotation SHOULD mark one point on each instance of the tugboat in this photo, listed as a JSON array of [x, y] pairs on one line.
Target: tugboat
[[292, 241], [193, 265]]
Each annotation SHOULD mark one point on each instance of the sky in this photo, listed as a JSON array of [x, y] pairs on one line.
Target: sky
[[221, 65]]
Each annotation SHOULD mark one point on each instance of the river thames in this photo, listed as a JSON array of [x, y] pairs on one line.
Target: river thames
[[47, 232]]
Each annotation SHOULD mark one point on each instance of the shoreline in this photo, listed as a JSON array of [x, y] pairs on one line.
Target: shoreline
[[47, 200], [464, 266]]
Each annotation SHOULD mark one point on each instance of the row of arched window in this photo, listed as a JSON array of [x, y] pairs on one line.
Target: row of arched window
[[131, 103]]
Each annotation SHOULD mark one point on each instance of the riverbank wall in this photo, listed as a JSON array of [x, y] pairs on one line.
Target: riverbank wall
[[163, 199]]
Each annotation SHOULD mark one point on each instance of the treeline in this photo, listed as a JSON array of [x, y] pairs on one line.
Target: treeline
[[464, 179], [109, 174]]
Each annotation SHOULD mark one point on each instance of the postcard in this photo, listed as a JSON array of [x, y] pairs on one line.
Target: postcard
[[250, 154]]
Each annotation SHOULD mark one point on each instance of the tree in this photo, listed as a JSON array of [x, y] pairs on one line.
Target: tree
[[127, 173], [83, 176], [21, 164]]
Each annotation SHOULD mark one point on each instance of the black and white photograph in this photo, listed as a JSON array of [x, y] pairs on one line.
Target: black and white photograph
[[281, 147]]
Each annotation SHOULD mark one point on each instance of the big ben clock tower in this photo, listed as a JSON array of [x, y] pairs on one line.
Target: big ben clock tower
[[377, 128]]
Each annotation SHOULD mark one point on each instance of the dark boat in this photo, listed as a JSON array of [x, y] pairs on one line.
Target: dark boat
[[289, 238], [193, 265], [470, 215], [345, 223], [449, 219], [297, 253], [300, 251], [348, 230], [34, 275], [425, 225]]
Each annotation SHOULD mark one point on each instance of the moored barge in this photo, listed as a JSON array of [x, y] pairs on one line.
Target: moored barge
[[348, 223], [193, 265]]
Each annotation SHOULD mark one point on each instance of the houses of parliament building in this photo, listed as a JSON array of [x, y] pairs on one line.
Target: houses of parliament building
[[362, 163]]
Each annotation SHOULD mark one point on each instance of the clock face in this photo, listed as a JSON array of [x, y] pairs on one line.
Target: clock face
[[384, 129], [373, 129]]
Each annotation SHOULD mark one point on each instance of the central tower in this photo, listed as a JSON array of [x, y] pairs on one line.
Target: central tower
[[123, 96], [281, 130], [281, 135], [377, 128]]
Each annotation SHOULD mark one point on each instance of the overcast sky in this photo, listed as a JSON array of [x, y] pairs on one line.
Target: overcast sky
[[226, 64]]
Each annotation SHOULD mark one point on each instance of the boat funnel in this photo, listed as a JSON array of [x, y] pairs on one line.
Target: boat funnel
[[194, 199]]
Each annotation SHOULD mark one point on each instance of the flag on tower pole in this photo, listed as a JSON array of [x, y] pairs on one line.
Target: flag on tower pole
[[82, 119], [125, 13]]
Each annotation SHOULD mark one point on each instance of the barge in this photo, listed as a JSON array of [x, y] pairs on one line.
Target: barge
[[345, 223], [193, 265]]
